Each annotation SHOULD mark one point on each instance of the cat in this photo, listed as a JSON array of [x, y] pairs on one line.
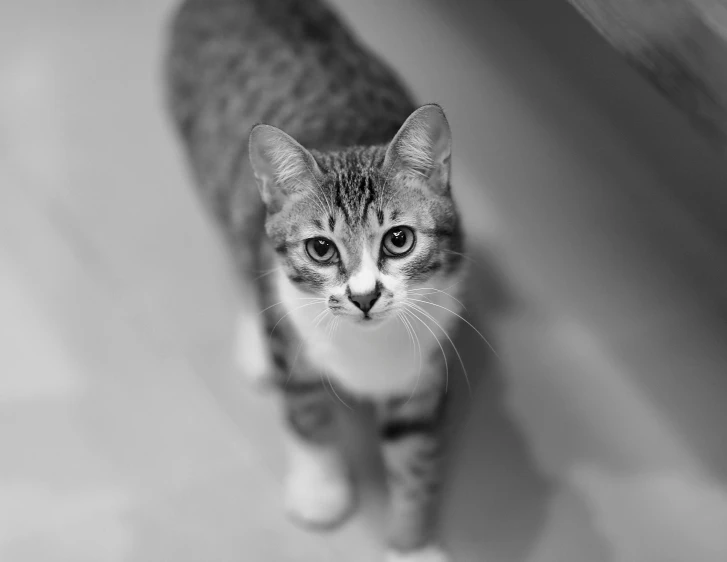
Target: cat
[[332, 190]]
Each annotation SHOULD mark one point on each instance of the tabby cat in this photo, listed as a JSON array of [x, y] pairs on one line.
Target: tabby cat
[[344, 233]]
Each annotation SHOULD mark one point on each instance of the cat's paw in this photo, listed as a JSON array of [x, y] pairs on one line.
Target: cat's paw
[[251, 353], [318, 498], [428, 554]]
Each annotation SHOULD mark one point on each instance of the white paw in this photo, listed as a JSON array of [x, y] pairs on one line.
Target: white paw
[[252, 353], [428, 554], [317, 496]]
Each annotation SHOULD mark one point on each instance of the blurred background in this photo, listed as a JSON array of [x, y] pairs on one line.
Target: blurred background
[[125, 432]]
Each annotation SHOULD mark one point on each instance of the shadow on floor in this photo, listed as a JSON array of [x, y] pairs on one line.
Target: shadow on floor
[[498, 502]]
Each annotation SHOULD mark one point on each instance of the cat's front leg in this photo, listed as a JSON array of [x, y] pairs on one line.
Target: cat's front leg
[[413, 449], [319, 489]]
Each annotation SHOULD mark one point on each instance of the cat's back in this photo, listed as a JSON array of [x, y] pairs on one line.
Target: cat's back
[[288, 63]]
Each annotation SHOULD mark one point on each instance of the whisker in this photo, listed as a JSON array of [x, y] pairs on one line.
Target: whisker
[[333, 322], [464, 369], [409, 331], [292, 366], [330, 328], [319, 318], [266, 273], [444, 355], [411, 337], [453, 285], [297, 299], [439, 291], [320, 315], [417, 347], [291, 311], [416, 342], [464, 320], [465, 256], [334, 391]]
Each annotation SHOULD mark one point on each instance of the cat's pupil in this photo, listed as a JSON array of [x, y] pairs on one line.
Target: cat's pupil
[[320, 247], [398, 238]]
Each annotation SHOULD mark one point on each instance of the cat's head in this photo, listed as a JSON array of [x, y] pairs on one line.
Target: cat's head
[[365, 226]]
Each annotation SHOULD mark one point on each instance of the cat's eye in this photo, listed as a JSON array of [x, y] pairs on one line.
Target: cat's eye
[[398, 241], [321, 250]]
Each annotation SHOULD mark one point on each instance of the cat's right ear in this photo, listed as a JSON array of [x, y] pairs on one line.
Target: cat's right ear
[[282, 167], [421, 151]]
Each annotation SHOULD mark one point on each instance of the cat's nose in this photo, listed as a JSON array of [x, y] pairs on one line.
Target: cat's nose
[[365, 301]]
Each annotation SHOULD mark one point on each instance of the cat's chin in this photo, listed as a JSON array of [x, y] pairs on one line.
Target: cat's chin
[[369, 322]]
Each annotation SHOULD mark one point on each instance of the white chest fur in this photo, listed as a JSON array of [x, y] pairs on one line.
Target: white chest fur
[[375, 360]]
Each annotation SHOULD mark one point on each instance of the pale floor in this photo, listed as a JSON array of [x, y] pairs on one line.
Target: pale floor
[[125, 434]]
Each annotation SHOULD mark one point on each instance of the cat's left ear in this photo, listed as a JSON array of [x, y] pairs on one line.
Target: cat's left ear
[[422, 149], [282, 167]]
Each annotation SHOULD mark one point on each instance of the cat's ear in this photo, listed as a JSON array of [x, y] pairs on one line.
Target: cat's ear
[[282, 167], [422, 149]]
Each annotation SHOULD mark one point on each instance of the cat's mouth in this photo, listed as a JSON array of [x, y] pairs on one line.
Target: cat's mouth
[[358, 317], [372, 319], [370, 322]]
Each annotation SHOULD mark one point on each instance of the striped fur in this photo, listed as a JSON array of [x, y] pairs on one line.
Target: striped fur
[[345, 156]]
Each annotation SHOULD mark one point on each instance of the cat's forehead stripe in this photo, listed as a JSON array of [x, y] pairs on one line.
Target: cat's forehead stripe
[[355, 191]]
